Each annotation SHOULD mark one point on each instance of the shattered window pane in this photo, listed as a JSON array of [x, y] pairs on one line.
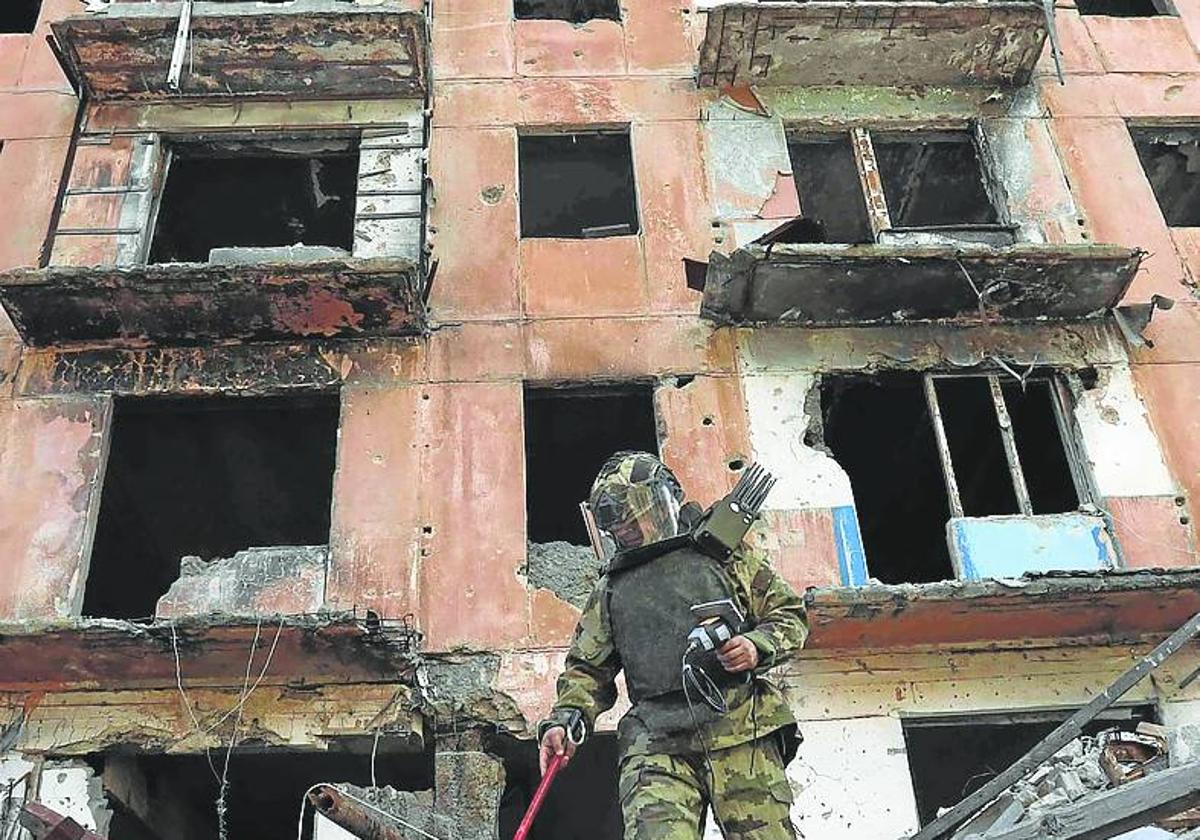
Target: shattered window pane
[[1171, 160], [19, 16], [932, 178], [577, 185], [575, 11], [829, 187], [214, 199]]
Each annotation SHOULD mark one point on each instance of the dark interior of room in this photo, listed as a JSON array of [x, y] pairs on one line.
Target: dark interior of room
[[1172, 164], [206, 477], [952, 758], [263, 794], [19, 16], [575, 11], [932, 179], [569, 434], [1118, 8], [215, 199], [577, 185], [829, 186], [879, 431]]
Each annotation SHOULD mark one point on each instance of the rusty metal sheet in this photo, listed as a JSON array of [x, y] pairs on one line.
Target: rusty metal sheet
[[771, 42], [274, 52], [828, 285], [180, 304], [1105, 607]]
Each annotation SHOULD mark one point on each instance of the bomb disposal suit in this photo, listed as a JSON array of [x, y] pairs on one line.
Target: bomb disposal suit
[[680, 752]]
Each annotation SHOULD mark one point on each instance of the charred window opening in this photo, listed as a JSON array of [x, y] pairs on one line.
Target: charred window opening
[[583, 801], [233, 195], [206, 477], [1124, 8], [577, 185], [19, 16], [952, 446], [575, 11], [569, 434], [828, 184], [951, 758], [893, 467], [171, 797], [932, 178], [1171, 160]]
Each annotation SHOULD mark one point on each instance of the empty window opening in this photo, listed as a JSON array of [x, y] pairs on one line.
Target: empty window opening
[[576, 11], [951, 758], [246, 196], [577, 185], [172, 797], [19, 16], [206, 477], [569, 434], [899, 491], [1171, 160], [829, 186], [581, 805], [932, 178], [1123, 8]]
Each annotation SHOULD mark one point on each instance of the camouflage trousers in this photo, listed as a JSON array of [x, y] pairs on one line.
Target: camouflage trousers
[[663, 797]]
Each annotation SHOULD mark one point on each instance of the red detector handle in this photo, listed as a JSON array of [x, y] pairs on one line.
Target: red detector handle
[[539, 796]]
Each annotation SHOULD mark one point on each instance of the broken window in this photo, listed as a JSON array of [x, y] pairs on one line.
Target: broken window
[[569, 434], [577, 185], [963, 445], [950, 758], [206, 477], [575, 11], [581, 805], [1171, 160], [19, 16], [932, 178], [255, 195], [828, 185], [1124, 8], [172, 797]]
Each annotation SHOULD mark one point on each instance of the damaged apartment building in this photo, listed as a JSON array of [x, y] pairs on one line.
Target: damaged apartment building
[[320, 315]]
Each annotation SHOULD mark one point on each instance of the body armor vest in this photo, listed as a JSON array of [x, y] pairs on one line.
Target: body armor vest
[[650, 614]]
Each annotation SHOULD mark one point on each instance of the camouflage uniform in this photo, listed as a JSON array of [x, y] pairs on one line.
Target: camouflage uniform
[[664, 781]]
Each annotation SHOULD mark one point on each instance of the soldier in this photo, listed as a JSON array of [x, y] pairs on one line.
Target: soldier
[[679, 750]]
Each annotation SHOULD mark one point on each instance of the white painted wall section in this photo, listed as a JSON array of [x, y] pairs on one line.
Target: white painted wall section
[[748, 154], [852, 781], [328, 830], [1124, 454], [1182, 719], [73, 790], [808, 478], [14, 781]]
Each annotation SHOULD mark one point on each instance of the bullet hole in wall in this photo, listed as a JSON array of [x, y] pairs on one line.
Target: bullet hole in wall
[[569, 434], [575, 11], [206, 477], [248, 197], [577, 186], [1171, 161], [19, 16]]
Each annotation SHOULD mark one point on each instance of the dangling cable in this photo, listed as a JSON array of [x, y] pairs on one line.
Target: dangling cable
[[688, 677]]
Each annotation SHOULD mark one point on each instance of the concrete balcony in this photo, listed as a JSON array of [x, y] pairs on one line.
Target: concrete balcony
[[182, 304], [897, 44], [835, 285], [316, 49]]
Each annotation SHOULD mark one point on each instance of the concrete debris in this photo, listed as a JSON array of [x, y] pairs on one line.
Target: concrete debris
[[255, 582], [569, 571], [278, 254], [461, 692]]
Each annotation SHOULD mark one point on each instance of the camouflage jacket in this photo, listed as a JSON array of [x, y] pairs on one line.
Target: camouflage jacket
[[588, 685]]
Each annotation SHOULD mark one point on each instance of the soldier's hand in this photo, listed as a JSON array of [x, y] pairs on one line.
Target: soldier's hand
[[555, 742], [738, 654]]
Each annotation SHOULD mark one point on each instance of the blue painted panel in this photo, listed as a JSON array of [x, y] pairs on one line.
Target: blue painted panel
[[852, 561], [1010, 546]]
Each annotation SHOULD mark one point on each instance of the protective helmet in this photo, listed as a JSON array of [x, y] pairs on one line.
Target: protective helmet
[[636, 500]]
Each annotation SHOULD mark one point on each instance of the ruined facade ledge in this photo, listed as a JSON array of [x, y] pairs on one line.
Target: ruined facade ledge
[[1110, 606], [833, 285], [316, 49], [112, 654], [182, 304], [900, 44]]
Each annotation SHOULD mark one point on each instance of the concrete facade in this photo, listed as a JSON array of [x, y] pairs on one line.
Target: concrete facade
[[420, 627]]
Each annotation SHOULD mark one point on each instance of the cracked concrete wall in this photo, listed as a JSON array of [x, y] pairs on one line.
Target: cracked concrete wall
[[569, 571], [276, 580]]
